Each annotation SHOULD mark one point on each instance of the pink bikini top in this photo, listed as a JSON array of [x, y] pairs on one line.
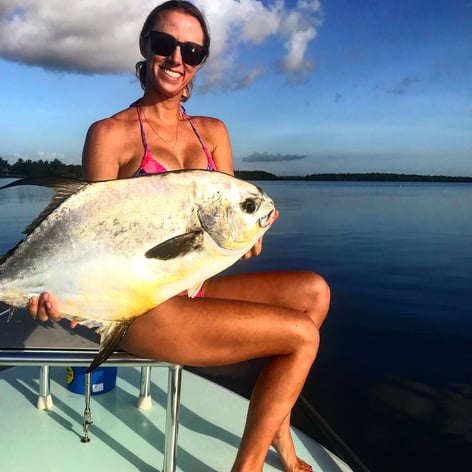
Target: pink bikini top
[[150, 165]]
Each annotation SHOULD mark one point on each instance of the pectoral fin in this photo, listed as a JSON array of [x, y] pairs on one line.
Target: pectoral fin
[[177, 246], [111, 334]]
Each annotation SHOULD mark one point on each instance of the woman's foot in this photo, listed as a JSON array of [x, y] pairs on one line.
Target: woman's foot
[[285, 448]]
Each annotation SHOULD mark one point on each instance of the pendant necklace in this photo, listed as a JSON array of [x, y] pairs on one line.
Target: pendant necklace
[[171, 145]]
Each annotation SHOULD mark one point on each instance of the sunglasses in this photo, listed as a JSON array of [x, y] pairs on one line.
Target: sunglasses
[[164, 44]]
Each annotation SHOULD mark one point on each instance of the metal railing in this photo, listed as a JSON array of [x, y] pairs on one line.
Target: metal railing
[[44, 358]]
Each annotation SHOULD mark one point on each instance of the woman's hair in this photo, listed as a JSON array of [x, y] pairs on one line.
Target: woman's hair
[[171, 5]]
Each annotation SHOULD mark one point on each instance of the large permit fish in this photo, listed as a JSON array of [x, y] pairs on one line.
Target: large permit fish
[[110, 251]]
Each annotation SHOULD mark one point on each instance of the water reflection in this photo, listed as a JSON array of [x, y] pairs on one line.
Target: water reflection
[[449, 408], [393, 376]]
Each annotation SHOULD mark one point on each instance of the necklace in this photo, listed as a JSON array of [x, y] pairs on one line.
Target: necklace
[[171, 145]]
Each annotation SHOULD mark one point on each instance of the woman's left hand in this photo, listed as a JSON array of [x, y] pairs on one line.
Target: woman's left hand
[[256, 249]]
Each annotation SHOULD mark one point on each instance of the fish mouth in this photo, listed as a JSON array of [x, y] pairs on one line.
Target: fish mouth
[[268, 219]]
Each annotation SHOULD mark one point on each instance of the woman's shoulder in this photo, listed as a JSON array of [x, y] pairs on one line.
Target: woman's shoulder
[[116, 124], [215, 135], [206, 121], [209, 127], [113, 143]]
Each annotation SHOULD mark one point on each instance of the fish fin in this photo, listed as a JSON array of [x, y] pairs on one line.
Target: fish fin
[[9, 312], [55, 183], [63, 188], [111, 334], [193, 291], [177, 246]]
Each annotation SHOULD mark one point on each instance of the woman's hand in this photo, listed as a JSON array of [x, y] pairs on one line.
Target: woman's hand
[[256, 249], [43, 308]]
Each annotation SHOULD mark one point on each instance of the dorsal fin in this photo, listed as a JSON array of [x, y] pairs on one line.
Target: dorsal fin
[[63, 188]]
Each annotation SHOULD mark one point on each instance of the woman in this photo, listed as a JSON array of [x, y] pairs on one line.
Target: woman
[[236, 318]]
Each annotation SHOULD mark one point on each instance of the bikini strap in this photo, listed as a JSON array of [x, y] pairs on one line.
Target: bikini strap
[[141, 125], [211, 162]]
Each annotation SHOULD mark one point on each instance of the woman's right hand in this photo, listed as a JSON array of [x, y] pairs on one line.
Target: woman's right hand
[[42, 308]]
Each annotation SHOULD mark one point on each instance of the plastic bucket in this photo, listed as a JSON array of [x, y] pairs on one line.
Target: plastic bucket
[[102, 379]]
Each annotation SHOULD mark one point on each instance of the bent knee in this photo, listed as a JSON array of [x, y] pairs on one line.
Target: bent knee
[[307, 337], [319, 298], [319, 287]]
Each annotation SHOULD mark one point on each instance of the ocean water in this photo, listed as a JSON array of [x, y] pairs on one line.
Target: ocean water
[[393, 377]]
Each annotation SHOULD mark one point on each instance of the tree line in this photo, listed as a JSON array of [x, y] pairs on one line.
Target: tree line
[[56, 168], [40, 168], [354, 177]]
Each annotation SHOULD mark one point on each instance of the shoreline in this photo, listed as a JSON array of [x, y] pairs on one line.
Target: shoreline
[[353, 177], [324, 177]]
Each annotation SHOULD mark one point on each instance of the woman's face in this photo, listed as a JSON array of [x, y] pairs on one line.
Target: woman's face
[[170, 74]]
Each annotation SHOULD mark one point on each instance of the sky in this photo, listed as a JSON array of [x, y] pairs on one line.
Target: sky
[[304, 86]]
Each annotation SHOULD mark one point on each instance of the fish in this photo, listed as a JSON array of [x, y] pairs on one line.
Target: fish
[[110, 251]]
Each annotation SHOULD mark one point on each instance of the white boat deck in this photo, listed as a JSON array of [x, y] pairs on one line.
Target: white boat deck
[[123, 437]]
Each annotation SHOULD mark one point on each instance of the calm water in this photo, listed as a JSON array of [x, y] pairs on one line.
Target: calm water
[[393, 377]]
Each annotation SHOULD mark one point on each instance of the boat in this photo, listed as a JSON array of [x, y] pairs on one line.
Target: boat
[[75, 432]]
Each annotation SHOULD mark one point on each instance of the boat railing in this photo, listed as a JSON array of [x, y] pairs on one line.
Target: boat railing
[[19, 351]]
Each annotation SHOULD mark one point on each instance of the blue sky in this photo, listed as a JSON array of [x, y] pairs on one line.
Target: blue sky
[[306, 86]]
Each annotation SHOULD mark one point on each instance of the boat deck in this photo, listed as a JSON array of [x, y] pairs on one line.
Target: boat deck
[[123, 437]]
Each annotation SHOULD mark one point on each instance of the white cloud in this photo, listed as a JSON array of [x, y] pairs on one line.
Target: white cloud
[[82, 36], [50, 156], [35, 156], [297, 44], [90, 36], [249, 22]]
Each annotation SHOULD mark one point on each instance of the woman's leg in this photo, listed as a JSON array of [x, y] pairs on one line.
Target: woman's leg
[[306, 292], [206, 332], [302, 291]]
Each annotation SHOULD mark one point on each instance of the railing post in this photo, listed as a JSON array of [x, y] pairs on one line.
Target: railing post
[[172, 418], [145, 401], [44, 399]]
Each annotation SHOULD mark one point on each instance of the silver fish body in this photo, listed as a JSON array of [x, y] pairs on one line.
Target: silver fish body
[[110, 251]]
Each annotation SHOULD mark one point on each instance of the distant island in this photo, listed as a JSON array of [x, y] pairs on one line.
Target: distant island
[[56, 168], [351, 177]]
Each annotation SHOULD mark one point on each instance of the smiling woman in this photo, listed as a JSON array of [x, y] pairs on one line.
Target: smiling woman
[[273, 315], [163, 44]]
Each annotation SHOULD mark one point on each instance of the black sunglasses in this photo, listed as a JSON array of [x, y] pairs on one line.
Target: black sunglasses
[[164, 44]]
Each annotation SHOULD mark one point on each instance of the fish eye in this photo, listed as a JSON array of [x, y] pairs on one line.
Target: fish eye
[[250, 205]]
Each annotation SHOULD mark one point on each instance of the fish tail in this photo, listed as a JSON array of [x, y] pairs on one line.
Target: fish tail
[[9, 312], [111, 334]]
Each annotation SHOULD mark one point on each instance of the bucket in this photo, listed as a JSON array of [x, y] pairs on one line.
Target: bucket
[[102, 379]]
